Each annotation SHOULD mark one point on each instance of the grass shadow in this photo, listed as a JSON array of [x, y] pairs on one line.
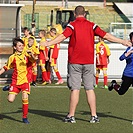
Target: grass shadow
[[51, 114], [106, 114], [3, 116]]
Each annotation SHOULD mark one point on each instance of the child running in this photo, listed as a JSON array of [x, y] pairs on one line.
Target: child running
[[127, 77], [20, 62]]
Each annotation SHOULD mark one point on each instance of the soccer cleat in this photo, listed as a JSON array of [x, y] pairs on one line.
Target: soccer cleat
[[69, 119], [59, 82], [6, 88], [111, 86], [44, 83], [95, 86], [94, 119], [25, 120], [105, 86], [132, 122], [33, 83]]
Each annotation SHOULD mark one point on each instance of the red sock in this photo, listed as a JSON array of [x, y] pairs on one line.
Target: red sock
[[58, 75], [105, 80], [97, 80], [25, 110], [48, 74], [34, 77], [45, 76]]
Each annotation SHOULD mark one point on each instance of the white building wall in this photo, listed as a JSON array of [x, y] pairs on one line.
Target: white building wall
[[115, 67]]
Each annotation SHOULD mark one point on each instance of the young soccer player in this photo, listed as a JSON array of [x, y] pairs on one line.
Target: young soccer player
[[43, 57], [127, 77], [20, 62], [27, 34], [102, 60], [54, 51], [28, 48]]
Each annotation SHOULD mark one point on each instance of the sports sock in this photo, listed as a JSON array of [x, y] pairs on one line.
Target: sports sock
[[45, 76], [34, 77], [58, 75], [97, 77], [25, 107], [48, 74], [105, 79]]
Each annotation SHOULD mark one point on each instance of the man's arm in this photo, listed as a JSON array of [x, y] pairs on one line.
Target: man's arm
[[112, 38], [58, 39]]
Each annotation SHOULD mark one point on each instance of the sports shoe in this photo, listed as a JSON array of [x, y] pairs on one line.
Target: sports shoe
[[105, 86], [33, 83], [94, 119], [59, 82], [25, 120], [132, 122], [69, 119], [111, 86], [95, 86], [44, 83], [6, 88]]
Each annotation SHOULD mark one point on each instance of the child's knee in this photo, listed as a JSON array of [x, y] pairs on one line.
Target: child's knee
[[11, 98]]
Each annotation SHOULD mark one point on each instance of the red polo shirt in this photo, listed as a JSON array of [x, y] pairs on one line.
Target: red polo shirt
[[81, 44]]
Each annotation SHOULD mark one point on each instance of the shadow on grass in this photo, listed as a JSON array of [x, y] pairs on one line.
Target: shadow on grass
[[51, 114], [2, 116], [106, 114], [59, 115]]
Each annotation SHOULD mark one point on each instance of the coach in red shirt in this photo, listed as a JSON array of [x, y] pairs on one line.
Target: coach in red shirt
[[81, 60]]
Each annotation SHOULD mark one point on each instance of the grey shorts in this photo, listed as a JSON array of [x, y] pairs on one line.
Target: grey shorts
[[80, 73]]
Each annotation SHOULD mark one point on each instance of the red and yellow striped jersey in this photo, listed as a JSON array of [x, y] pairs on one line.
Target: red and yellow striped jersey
[[19, 63], [103, 50]]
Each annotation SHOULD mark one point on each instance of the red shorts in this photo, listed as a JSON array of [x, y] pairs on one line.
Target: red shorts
[[42, 62], [53, 62], [15, 89], [101, 67]]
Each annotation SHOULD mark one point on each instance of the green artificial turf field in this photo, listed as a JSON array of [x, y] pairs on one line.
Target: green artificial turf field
[[49, 105]]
